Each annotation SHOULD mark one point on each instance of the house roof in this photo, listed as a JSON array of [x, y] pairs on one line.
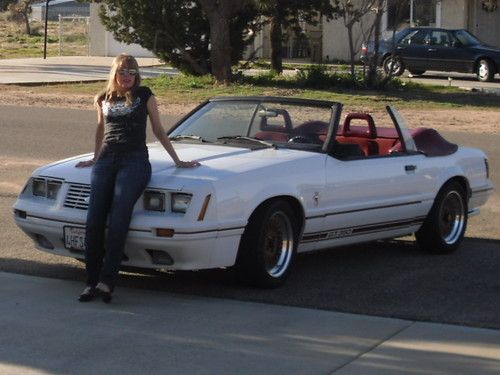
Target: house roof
[[54, 2]]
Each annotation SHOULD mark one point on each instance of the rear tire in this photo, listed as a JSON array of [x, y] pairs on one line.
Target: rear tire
[[444, 228], [485, 71], [268, 245], [395, 64]]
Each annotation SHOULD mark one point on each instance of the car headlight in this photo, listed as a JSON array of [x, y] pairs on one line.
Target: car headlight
[[180, 202], [38, 187], [47, 188], [154, 200]]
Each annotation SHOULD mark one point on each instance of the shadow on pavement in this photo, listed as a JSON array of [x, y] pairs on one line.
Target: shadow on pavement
[[390, 278]]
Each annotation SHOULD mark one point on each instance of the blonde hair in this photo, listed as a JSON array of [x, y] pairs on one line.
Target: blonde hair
[[110, 93]]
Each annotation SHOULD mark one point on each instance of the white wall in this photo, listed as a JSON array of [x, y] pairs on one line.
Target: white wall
[[102, 42]]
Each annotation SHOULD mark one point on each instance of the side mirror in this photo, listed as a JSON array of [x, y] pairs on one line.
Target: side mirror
[[456, 44]]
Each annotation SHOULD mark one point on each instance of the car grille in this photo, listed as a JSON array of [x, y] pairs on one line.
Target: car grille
[[78, 196]]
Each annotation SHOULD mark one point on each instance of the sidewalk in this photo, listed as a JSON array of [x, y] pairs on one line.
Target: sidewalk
[[46, 330], [70, 69]]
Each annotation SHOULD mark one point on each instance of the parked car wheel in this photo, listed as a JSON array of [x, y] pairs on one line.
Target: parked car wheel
[[268, 245], [444, 227], [417, 72], [485, 71], [393, 65]]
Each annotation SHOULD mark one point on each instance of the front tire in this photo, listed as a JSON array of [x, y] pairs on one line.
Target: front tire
[[444, 228], [485, 71], [393, 65], [268, 245]]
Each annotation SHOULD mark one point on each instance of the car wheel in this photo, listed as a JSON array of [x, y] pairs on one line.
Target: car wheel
[[417, 72], [485, 71], [268, 245], [393, 65], [444, 227]]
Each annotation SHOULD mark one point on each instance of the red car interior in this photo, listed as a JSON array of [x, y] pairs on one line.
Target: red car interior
[[370, 139]]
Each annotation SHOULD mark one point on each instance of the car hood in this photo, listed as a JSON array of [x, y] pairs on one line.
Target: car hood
[[216, 161]]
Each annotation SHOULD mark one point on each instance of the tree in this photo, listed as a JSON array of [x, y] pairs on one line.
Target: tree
[[22, 9], [371, 77], [220, 14], [4, 4], [198, 37], [353, 12], [287, 14]]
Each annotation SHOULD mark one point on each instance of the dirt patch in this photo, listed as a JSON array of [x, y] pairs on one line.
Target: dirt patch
[[461, 119]]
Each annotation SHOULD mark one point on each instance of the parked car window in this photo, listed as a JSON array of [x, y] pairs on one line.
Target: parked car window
[[440, 38], [466, 38], [417, 37]]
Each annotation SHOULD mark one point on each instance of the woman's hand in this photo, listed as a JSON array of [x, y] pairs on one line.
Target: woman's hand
[[187, 164], [85, 163]]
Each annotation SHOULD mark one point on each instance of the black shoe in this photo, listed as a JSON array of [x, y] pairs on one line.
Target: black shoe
[[105, 292], [88, 294]]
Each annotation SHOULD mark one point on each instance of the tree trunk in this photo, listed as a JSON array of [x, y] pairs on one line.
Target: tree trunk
[[276, 45], [219, 14], [220, 52], [371, 78], [27, 23], [351, 48]]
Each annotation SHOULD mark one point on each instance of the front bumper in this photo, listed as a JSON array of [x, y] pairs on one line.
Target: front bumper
[[188, 250]]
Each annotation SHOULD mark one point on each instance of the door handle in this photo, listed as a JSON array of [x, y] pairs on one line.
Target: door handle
[[410, 168], [432, 50]]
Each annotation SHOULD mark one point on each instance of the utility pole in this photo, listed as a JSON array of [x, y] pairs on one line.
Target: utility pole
[[46, 19]]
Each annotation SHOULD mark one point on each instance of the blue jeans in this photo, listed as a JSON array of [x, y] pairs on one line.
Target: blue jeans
[[118, 180]]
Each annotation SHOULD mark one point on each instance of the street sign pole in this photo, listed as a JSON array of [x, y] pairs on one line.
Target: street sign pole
[[45, 38]]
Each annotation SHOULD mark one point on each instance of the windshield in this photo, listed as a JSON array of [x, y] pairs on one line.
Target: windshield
[[276, 122], [466, 38]]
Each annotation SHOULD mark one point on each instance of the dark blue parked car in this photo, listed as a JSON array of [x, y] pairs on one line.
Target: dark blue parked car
[[422, 48]]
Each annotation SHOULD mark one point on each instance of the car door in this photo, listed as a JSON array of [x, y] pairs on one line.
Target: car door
[[443, 54], [413, 49], [372, 197]]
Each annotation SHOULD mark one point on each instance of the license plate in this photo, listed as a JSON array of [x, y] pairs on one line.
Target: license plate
[[74, 238]]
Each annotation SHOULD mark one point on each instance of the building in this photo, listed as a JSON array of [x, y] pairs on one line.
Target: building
[[65, 8], [102, 42]]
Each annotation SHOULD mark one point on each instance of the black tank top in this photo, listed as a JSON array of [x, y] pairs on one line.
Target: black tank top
[[125, 126]]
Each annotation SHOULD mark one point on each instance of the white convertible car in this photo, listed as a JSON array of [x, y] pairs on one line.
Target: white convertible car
[[279, 176]]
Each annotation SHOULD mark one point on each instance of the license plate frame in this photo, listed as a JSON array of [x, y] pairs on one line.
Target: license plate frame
[[74, 238]]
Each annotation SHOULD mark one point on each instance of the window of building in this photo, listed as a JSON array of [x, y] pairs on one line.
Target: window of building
[[406, 13]]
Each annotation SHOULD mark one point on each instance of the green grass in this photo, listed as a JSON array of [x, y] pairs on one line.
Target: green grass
[[187, 89], [15, 43]]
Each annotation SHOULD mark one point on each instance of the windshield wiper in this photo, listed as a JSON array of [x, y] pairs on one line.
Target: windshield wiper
[[239, 138], [191, 137]]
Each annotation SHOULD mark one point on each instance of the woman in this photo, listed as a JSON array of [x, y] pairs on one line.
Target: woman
[[121, 171]]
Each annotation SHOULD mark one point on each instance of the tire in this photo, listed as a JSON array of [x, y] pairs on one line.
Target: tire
[[268, 246], [416, 72], [444, 228], [485, 71], [394, 63]]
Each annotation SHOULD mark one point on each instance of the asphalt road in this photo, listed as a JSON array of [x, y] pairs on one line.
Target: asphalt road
[[390, 278]]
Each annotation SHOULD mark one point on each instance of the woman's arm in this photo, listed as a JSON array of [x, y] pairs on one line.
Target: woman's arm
[[99, 136], [159, 132]]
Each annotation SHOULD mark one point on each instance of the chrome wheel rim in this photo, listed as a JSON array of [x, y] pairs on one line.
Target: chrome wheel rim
[[483, 70], [393, 66], [278, 244], [451, 217]]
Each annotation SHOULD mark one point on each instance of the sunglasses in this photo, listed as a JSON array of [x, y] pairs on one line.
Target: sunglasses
[[130, 72]]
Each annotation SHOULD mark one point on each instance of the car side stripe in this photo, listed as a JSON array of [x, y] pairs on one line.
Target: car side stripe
[[360, 230]]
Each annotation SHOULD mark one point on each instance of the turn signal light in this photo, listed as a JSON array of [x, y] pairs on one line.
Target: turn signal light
[[165, 232]]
